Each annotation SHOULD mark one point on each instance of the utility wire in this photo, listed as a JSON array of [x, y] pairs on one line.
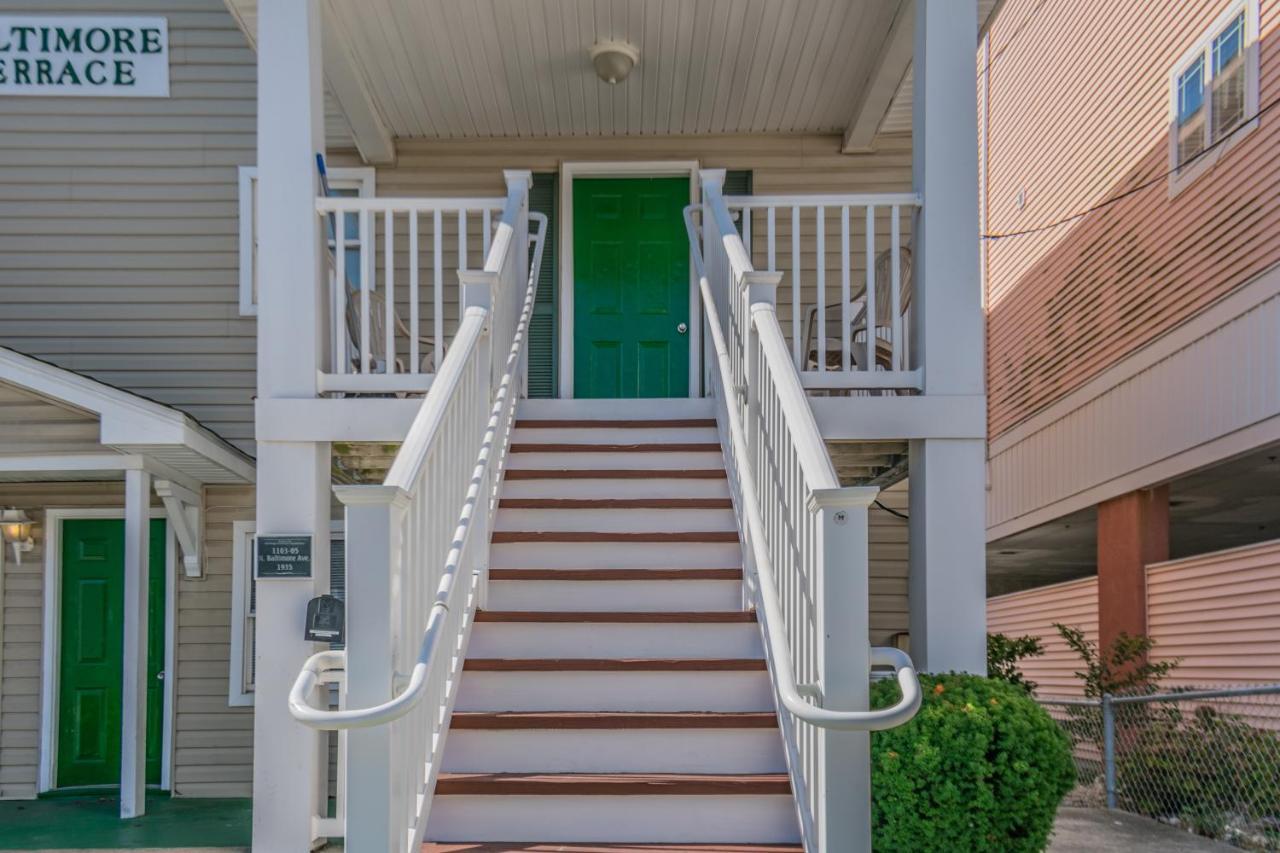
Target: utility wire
[[892, 511], [1132, 190]]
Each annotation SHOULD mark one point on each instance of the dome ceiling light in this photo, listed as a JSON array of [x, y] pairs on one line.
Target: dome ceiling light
[[614, 60]]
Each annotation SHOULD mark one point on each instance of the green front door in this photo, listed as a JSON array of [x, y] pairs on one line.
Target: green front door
[[91, 643], [630, 287]]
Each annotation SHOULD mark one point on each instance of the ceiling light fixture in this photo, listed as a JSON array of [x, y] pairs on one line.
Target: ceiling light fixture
[[614, 60]]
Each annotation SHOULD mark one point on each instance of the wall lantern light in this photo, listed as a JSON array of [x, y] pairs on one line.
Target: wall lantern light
[[15, 527], [614, 60]]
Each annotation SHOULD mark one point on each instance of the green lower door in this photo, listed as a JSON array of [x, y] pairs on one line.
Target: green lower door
[[91, 652], [630, 288]]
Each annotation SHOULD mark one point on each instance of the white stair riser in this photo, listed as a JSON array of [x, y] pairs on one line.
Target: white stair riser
[[615, 691], [631, 409], [596, 461], [615, 435], [759, 819], [616, 555], [594, 488], [616, 520], [733, 751], [612, 640], [614, 596]]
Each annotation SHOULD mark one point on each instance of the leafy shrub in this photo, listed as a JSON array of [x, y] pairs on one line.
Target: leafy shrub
[[1123, 667], [1004, 653], [981, 767]]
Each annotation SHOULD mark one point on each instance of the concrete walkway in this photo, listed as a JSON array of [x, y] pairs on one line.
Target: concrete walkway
[[1099, 831]]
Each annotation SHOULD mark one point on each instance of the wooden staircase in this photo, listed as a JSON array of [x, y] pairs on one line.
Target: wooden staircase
[[615, 695]]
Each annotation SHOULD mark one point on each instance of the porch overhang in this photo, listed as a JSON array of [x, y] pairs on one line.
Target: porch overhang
[[463, 69], [133, 433]]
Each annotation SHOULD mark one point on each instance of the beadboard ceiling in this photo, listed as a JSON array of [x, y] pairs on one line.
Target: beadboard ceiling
[[456, 69]]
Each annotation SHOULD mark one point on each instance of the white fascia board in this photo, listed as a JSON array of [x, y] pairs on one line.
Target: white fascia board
[[322, 419], [884, 82], [895, 418], [372, 136]]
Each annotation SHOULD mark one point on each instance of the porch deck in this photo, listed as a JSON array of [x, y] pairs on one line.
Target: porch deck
[[85, 823]]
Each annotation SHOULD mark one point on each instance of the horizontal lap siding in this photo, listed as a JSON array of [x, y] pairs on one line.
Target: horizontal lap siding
[[1078, 114], [1033, 613], [213, 742], [1216, 613], [119, 222]]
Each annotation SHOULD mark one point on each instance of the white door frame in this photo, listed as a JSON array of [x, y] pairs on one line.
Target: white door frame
[[49, 653], [621, 169]]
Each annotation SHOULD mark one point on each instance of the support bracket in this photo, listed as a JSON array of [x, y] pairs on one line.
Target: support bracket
[[183, 508]]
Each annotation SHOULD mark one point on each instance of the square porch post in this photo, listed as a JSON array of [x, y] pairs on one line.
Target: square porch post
[[948, 476], [293, 489], [133, 694]]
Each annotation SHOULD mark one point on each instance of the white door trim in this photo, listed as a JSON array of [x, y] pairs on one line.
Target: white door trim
[[637, 169], [49, 651]]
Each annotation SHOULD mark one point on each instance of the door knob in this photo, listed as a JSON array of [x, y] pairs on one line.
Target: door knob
[[682, 328]]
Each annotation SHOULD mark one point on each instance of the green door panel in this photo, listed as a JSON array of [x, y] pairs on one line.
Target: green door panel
[[91, 657], [630, 288]]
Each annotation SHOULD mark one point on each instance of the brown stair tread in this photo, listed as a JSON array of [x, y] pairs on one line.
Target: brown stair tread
[[615, 503], [523, 720], [589, 423], [695, 536], [607, 847], [729, 574], [614, 665], [589, 784], [625, 616], [684, 447], [615, 474]]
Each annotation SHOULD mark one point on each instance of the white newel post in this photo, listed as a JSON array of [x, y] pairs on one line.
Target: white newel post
[[293, 489], [374, 522], [947, 494], [133, 711], [844, 665]]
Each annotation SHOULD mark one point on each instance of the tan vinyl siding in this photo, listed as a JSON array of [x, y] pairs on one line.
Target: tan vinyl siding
[[1032, 613], [887, 544], [1079, 113], [118, 222], [780, 164], [212, 741]]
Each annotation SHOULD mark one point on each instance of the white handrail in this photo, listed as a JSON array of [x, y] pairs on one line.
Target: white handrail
[[784, 678], [404, 470]]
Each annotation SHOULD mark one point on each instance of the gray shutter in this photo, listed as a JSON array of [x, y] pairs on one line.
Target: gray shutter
[[543, 198], [738, 182], [338, 572]]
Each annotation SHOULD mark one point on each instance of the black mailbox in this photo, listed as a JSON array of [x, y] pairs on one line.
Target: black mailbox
[[326, 620]]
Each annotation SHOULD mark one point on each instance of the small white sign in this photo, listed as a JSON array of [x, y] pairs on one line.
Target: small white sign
[[99, 56]]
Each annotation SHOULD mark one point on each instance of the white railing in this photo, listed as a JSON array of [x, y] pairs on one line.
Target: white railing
[[393, 287], [844, 260], [805, 542], [417, 557]]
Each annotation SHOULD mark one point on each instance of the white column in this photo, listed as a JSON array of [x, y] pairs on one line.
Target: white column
[[374, 517], [948, 496], [293, 477], [844, 666], [133, 711]]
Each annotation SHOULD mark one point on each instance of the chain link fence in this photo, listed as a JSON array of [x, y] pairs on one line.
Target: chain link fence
[[1204, 760]]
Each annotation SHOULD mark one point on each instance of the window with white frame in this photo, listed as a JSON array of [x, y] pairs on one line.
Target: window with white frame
[[244, 604], [1215, 86], [358, 182]]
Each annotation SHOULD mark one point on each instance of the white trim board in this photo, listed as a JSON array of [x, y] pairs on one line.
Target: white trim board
[[621, 169], [50, 635]]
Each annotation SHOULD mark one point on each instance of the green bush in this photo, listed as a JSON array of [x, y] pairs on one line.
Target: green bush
[[982, 767]]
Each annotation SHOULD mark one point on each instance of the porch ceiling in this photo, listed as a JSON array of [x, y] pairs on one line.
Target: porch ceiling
[[456, 69]]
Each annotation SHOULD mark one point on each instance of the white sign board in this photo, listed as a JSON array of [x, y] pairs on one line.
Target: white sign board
[[98, 56]]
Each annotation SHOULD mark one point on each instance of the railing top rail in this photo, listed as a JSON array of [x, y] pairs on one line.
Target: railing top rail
[[381, 204], [826, 200]]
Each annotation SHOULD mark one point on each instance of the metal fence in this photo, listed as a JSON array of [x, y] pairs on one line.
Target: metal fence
[[1205, 760]]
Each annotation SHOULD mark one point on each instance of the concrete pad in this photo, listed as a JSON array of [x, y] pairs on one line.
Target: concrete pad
[[1079, 830]]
